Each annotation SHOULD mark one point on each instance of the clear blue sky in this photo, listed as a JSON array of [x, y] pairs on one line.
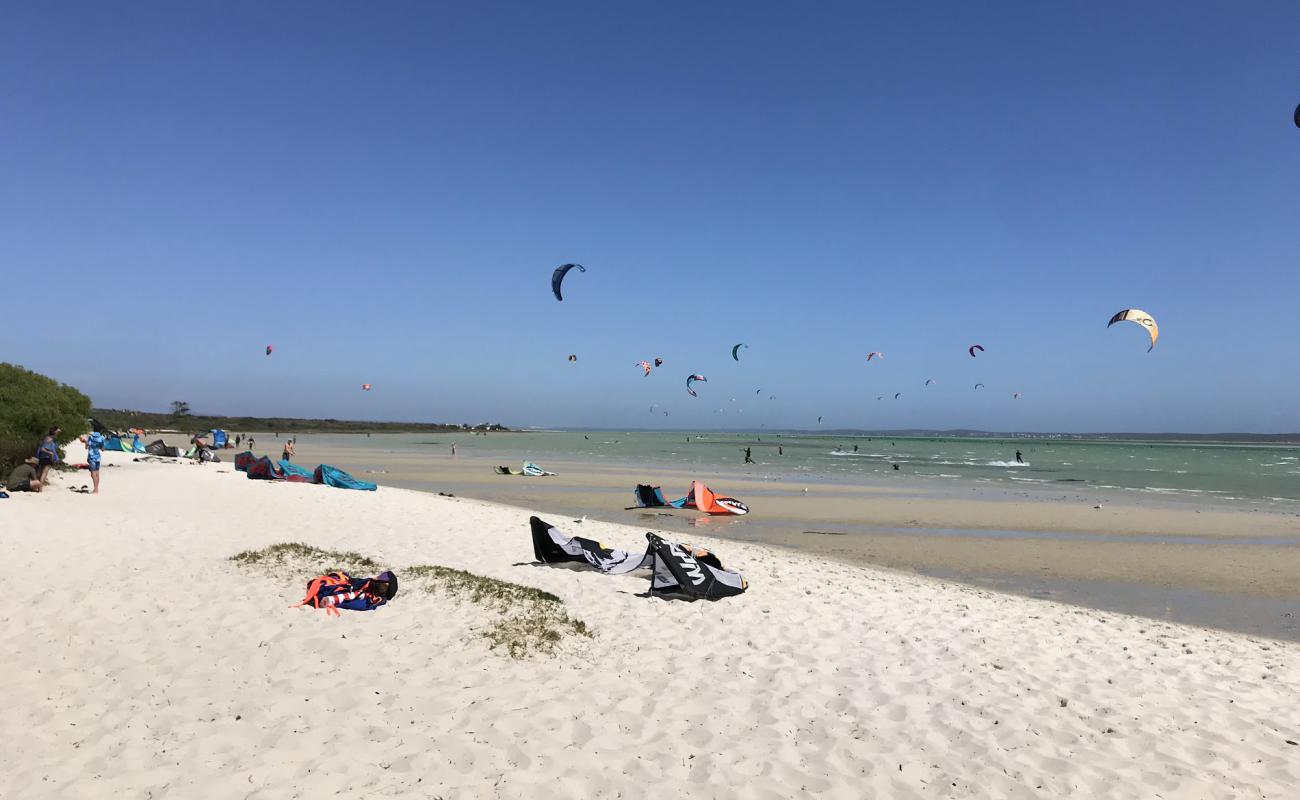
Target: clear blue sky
[[381, 191]]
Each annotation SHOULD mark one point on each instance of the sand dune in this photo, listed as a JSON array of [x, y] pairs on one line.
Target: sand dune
[[151, 666]]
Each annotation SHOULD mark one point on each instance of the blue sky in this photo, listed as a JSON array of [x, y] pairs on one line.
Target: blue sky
[[382, 190]]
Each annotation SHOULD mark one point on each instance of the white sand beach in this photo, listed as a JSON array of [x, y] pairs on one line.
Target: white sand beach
[[140, 662]]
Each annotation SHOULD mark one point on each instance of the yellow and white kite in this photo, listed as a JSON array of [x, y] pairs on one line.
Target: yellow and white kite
[[1141, 318]]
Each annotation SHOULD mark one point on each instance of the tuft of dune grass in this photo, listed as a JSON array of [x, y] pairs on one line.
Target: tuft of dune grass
[[531, 621]]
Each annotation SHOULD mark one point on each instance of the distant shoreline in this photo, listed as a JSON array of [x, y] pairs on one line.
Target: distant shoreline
[[120, 419]]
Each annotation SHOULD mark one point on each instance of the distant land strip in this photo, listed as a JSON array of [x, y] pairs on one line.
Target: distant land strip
[[121, 420]]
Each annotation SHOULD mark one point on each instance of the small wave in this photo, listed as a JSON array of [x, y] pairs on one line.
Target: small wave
[[856, 455], [1007, 464]]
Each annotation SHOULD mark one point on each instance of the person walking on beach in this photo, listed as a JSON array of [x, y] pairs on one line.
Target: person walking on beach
[[453, 448], [749, 459], [287, 455], [239, 437], [1019, 458], [94, 453], [250, 443], [47, 455], [23, 478]]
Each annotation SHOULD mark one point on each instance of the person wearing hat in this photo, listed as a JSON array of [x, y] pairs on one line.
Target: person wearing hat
[[47, 455], [23, 478]]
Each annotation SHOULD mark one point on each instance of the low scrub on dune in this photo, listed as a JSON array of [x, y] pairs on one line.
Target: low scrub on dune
[[530, 621], [31, 404]]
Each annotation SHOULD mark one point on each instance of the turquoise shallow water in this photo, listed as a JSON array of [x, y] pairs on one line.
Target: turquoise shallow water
[[1258, 475]]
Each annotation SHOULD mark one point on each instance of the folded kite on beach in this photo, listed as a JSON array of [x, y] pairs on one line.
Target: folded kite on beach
[[340, 590], [675, 568], [267, 470], [530, 469]]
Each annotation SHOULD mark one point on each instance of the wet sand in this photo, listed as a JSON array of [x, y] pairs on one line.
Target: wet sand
[[1029, 542]]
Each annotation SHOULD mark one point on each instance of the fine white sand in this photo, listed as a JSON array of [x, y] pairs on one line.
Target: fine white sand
[[139, 662]]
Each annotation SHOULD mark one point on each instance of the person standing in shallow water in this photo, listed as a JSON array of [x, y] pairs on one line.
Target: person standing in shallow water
[[749, 456], [453, 448]]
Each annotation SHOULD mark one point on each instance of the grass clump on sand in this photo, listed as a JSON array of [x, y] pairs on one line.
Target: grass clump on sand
[[531, 620], [295, 555]]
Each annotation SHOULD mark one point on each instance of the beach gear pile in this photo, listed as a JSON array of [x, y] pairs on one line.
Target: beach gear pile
[[530, 469], [265, 469], [340, 590], [674, 568], [700, 497]]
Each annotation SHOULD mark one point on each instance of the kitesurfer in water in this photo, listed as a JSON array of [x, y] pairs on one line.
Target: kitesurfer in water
[[748, 456], [1019, 458], [780, 451], [855, 448]]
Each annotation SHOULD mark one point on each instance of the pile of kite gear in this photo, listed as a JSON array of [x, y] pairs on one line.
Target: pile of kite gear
[[530, 469], [340, 590], [674, 568], [267, 470], [700, 497]]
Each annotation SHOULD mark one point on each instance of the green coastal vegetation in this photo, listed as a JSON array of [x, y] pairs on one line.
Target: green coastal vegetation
[[30, 404]]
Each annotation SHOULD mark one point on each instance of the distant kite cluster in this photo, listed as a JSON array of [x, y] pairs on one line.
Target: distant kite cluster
[[1134, 315]]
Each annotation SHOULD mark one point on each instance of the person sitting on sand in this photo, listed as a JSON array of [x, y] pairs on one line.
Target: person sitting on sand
[[47, 455], [23, 478]]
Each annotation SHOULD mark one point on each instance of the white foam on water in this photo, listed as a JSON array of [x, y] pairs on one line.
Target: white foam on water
[[1011, 464]]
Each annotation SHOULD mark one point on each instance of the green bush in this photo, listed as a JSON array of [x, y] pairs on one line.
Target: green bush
[[30, 404]]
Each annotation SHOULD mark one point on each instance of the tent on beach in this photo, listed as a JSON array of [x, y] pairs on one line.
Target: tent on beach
[[674, 568]]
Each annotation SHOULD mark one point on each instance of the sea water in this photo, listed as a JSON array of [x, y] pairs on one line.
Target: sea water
[[1258, 475]]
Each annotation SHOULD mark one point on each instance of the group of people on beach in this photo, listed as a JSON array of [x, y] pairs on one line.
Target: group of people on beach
[[33, 475]]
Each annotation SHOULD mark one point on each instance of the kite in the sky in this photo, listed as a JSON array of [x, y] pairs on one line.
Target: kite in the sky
[[659, 362], [557, 277], [977, 386], [645, 365], [735, 351], [1297, 116], [1141, 318], [819, 420], [365, 387], [690, 379], [1015, 395], [573, 357], [973, 348], [269, 348], [652, 407], [929, 381], [898, 395], [880, 397], [874, 354]]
